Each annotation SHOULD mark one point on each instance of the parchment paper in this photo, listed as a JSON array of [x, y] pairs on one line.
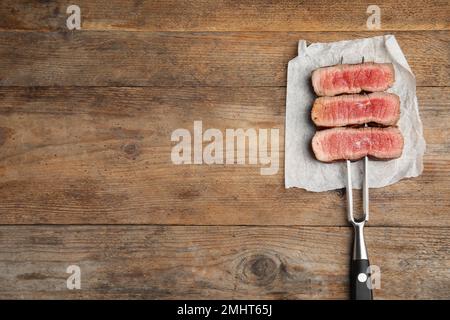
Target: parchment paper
[[301, 168]]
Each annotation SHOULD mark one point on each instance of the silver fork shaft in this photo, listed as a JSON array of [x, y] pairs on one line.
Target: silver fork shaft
[[359, 245], [366, 188]]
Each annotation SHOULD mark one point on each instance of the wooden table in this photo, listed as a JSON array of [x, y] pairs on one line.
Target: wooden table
[[86, 176]]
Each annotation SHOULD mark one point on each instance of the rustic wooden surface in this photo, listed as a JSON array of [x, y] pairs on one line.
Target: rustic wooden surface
[[102, 155], [217, 262], [204, 15], [230, 59], [85, 171]]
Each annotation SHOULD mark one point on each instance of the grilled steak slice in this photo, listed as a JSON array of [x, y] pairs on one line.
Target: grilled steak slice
[[353, 78], [378, 107], [353, 144]]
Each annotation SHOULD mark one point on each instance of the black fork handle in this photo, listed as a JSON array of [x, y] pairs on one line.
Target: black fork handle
[[360, 282]]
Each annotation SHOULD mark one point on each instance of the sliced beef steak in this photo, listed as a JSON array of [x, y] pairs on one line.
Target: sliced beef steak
[[353, 78], [378, 107], [353, 144]]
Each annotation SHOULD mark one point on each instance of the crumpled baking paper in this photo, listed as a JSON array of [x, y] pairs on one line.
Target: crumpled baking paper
[[301, 168]]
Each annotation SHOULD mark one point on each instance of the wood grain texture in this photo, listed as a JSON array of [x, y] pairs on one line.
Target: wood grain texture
[[218, 262], [118, 58], [85, 125], [102, 155], [206, 15]]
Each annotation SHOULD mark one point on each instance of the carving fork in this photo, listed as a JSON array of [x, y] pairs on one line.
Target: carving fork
[[360, 282]]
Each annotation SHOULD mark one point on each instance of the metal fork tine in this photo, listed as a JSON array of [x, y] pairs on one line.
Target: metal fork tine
[[366, 189], [366, 182], [349, 192]]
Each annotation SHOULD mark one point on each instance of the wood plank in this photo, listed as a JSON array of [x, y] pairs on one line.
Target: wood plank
[[102, 155], [206, 15], [117, 58], [155, 262]]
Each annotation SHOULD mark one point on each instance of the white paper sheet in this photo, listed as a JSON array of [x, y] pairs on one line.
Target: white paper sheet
[[301, 168]]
